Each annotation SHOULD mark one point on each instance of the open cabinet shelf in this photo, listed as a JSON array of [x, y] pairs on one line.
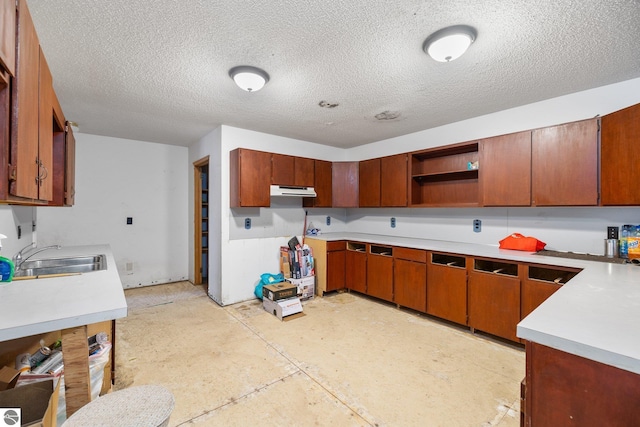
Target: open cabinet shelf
[[445, 176]]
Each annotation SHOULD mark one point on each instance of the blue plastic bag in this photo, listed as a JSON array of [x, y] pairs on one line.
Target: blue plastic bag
[[267, 279]]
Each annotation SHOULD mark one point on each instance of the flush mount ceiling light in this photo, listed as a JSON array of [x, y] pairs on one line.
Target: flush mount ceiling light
[[249, 78], [449, 43]]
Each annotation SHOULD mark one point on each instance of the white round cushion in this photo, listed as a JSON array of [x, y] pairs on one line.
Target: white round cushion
[[139, 406]]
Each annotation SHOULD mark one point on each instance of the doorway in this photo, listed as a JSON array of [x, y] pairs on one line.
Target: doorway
[[201, 222]]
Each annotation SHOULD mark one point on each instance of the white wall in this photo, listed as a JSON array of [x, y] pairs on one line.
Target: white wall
[[116, 179], [210, 146], [564, 229], [12, 217]]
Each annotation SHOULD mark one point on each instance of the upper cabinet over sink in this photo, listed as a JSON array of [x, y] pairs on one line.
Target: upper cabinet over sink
[[32, 125]]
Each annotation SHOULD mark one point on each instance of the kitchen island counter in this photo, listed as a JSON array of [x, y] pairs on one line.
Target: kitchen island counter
[[595, 315], [36, 306], [66, 304]]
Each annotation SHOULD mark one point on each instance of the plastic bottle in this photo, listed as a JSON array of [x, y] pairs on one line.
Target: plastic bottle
[[6, 265], [624, 241]]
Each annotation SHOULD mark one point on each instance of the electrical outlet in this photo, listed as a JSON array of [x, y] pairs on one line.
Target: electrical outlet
[[477, 225], [393, 222], [328, 220], [129, 220], [247, 223]]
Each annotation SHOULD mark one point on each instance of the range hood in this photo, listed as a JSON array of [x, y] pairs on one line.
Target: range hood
[[292, 191]]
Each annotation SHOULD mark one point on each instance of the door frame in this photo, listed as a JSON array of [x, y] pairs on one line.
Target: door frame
[[197, 219]]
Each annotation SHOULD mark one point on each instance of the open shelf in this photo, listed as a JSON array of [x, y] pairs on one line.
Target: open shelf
[[445, 176]]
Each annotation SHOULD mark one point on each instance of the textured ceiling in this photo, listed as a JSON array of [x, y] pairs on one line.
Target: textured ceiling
[[158, 70]]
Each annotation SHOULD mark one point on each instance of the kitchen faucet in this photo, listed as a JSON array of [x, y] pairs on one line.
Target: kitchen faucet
[[19, 258]]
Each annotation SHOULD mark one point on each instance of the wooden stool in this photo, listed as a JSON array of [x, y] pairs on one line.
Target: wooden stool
[[140, 406]]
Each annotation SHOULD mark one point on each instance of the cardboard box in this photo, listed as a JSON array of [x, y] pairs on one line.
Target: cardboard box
[[306, 287], [279, 291], [285, 309], [38, 403], [285, 262]]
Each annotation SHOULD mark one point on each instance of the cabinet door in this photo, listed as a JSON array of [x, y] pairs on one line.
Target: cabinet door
[[8, 35], [70, 167], [494, 303], [24, 132], [282, 169], [344, 183], [619, 171], [336, 262], [447, 288], [322, 185], [304, 172], [369, 183], [505, 170], [394, 180], [565, 164], [410, 284], [356, 271], [45, 131], [380, 275], [250, 175]]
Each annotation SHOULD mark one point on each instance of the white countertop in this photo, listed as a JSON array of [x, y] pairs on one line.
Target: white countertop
[[29, 307], [595, 315]]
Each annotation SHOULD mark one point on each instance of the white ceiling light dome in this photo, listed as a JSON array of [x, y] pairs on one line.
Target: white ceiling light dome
[[449, 43], [249, 78]]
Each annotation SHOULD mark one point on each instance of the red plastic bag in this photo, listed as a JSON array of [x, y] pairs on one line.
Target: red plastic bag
[[519, 242]]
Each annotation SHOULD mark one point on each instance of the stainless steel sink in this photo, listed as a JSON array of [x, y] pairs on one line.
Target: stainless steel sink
[[77, 264]]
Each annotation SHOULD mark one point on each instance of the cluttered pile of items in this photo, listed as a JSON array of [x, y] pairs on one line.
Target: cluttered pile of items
[[282, 293], [36, 384]]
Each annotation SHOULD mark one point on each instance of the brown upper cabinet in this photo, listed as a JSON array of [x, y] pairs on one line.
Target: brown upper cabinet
[[31, 168], [369, 183], [304, 172], [619, 171], [505, 170], [250, 175], [383, 181], [64, 164], [393, 180], [445, 176], [32, 123], [282, 169], [322, 186], [8, 36], [344, 183], [290, 170], [565, 164]]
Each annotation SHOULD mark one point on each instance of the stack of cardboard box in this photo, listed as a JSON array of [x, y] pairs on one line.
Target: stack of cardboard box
[[281, 299], [297, 266]]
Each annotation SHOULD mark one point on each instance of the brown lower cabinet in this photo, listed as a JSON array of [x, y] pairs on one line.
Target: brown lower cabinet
[[494, 297], [380, 272], [540, 283], [447, 287], [410, 278], [356, 267], [563, 389], [336, 265]]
